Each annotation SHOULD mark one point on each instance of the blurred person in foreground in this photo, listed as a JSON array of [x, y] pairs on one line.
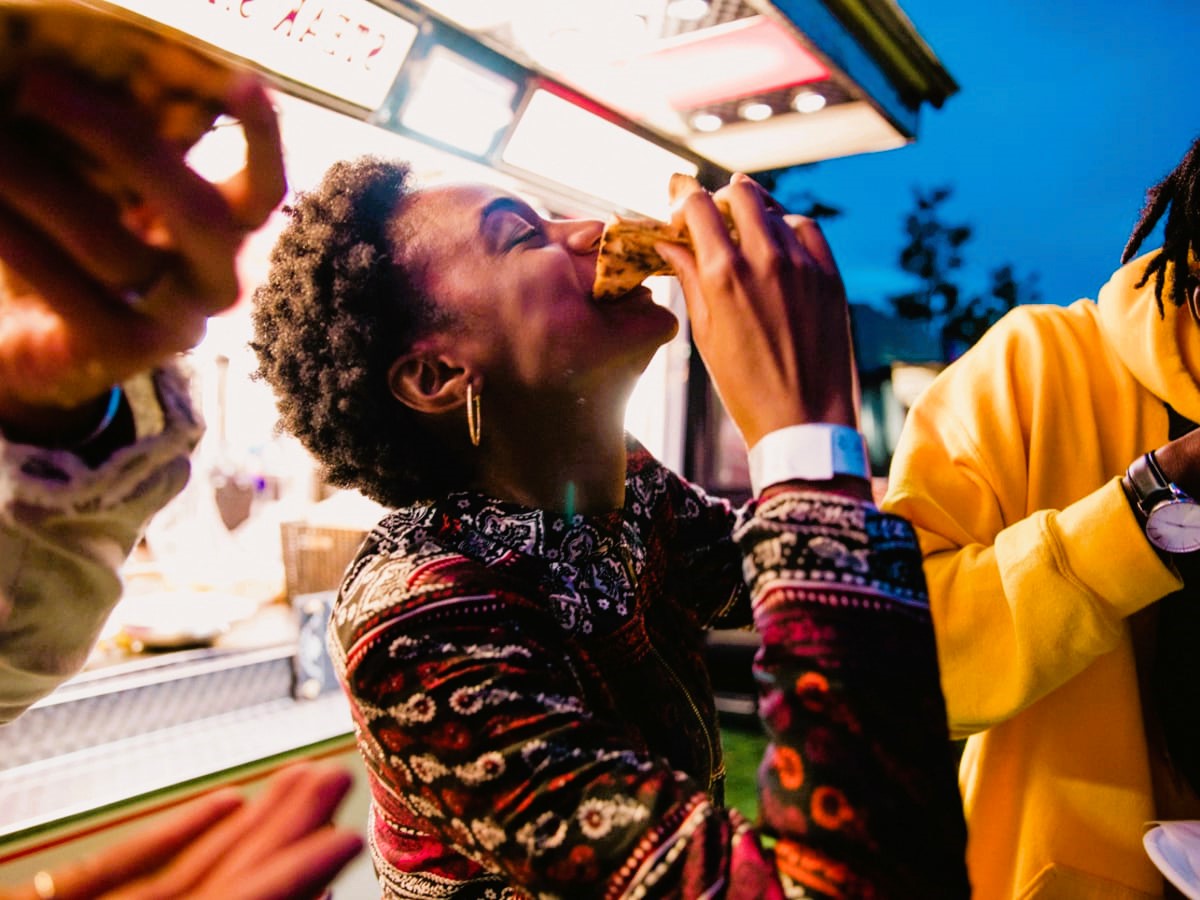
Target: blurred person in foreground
[[521, 638], [95, 433], [1064, 596], [96, 424]]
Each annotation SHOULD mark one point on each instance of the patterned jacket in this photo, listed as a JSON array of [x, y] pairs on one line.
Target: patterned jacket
[[536, 719]]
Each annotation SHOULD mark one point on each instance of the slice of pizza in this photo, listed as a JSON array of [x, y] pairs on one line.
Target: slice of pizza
[[627, 256]]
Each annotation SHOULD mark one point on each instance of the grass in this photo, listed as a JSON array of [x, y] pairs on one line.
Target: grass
[[744, 746]]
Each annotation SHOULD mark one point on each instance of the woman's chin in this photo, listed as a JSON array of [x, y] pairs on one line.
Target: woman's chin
[[660, 320]]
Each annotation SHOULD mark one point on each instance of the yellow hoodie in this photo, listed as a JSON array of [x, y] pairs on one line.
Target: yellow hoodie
[[1009, 467]]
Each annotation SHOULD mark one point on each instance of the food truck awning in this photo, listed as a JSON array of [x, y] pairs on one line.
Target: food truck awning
[[746, 84], [600, 99]]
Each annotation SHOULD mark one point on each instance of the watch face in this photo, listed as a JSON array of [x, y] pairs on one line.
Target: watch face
[[1174, 526]]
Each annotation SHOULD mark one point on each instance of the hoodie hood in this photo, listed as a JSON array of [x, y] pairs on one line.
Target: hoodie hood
[[1162, 351]]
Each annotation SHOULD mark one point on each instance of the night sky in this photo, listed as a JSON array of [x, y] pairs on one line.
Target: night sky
[[1067, 111]]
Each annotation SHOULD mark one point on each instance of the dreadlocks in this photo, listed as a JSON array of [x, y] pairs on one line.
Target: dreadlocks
[[1180, 191]]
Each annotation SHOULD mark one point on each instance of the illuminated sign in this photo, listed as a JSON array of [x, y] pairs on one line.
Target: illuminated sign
[[350, 49]]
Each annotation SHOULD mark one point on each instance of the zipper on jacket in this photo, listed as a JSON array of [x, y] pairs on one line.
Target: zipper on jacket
[[714, 776]]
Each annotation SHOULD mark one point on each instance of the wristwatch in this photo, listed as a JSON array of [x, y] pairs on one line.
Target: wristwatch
[[1171, 517]]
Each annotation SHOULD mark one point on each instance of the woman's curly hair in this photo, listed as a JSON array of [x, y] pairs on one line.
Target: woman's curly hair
[[1179, 191], [336, 310]]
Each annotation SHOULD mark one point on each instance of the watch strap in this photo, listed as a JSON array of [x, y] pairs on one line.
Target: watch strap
[[1148, 483], [812, 452]]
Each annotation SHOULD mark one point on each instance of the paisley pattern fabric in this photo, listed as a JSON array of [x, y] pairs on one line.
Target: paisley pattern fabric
[[532, 705]]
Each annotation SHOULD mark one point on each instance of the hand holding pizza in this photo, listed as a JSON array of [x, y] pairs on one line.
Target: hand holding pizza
[[114, 251], [768, 313]]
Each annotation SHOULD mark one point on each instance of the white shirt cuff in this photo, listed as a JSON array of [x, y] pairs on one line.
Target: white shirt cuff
[[811, 452]]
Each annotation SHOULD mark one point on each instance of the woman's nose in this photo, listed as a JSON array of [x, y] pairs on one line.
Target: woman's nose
[[583, 235]]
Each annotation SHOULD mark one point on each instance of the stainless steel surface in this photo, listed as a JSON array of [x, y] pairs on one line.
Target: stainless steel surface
[[82, 781]]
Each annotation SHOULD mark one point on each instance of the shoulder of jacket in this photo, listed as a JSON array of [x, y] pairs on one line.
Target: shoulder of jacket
[[423, 582], [1041, 338], [1079, 320]]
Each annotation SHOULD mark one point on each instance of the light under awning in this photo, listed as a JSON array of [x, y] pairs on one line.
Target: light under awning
[[562, 141], [459, 102]]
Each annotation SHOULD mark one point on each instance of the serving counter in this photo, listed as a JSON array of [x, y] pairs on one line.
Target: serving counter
[[125, 742]]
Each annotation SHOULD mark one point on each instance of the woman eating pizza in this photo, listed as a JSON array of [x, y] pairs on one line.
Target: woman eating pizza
[[520, 639]]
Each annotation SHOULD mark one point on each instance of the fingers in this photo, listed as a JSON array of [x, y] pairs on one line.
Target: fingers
[[258, 188], [741, 178], [44, 361], [813, 238], [62, 205], [65, 288], [303, 870], [202, 859], [259, 840], [769, 315], [806, 230], [706, 226], [196, 221], [765, 242], [309, 803], [761, 223], [201, 223], [290, 853], [144, 852], [683, 263]]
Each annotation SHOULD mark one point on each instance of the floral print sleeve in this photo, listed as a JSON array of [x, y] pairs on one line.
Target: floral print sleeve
[[858, 781], [504, 763]]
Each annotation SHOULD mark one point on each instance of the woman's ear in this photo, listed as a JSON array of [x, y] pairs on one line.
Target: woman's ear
[[427, 382]]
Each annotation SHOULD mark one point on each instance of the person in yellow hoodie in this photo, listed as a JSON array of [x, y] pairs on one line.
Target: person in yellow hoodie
[[1065, 638]]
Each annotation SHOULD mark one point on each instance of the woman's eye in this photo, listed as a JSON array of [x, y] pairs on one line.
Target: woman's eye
[[524, 234]]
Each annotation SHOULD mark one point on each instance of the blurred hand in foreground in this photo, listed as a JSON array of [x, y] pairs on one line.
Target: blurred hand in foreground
[[101, 286], [278, 846]]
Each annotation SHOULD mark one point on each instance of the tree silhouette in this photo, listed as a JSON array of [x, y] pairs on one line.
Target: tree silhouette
[[963, 329], [934, 255]]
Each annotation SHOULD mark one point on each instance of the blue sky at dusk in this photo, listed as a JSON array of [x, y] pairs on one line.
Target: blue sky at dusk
[[1067, 111]]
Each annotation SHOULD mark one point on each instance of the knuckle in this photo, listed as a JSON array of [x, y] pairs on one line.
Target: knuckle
[[694, 201], [723, 265]]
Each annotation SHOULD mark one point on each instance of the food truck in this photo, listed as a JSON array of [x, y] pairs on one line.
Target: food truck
[[212, 669]]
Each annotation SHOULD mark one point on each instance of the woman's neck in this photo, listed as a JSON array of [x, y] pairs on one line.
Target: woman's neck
[[571, 462]]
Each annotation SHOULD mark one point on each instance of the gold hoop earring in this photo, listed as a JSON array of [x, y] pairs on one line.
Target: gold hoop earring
[[474, 415]]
